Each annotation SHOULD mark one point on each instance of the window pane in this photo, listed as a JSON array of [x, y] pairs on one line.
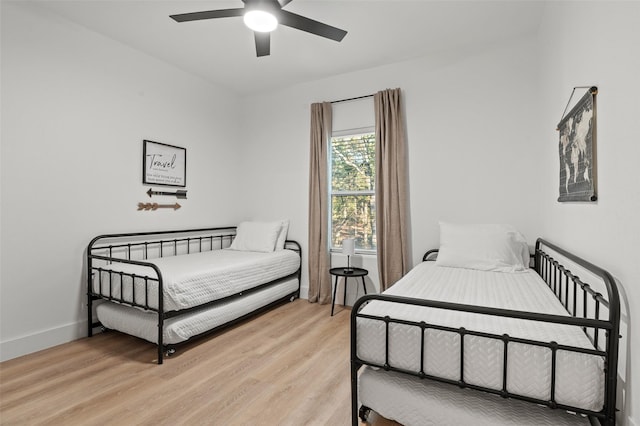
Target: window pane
[[353, 163], [353, 216]]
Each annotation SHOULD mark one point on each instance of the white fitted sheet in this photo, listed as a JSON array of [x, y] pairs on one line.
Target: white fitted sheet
[[178, 329], [415, 402], [580, 377], [193, 279]]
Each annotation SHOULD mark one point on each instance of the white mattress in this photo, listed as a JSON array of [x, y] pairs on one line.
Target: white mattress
[[415, 402], [193, 279], [178, 329], [580, 377]]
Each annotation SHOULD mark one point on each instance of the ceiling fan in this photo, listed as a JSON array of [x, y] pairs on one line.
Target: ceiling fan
[[263, 16]]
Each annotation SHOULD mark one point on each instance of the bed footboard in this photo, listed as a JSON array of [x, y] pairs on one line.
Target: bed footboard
[[596, 314]]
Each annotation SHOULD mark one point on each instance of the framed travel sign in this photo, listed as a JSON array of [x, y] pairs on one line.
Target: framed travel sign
[[164, 164]]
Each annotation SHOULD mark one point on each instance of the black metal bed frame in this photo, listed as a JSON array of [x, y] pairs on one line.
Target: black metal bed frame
[[580, 300], [123, 248]]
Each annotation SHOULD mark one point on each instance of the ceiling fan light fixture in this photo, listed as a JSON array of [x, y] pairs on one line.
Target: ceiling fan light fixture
[[260, 21]]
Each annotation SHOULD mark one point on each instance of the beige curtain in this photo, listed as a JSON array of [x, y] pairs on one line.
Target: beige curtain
[[319, 278], [391, 188]]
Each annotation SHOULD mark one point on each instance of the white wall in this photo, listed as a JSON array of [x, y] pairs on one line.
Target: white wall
[[469, 121], [75, 109], [597, 43]]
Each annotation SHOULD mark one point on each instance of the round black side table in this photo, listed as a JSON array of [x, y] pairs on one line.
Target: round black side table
[[346, 273]]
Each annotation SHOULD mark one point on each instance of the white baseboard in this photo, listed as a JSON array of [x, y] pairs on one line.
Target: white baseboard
[[352, 294], [24, 345], [304, 292]]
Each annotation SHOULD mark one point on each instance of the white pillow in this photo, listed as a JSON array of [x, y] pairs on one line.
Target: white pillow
[[282, 235], [256, 236], [485, 247]]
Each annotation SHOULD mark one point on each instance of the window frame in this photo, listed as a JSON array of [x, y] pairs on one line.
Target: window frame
[[343, 134]]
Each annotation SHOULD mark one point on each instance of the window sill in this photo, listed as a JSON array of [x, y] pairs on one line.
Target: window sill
[[368, 253]]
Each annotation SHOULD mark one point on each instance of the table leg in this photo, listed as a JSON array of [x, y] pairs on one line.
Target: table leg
[[333, 299], [344, 297], [363, 286]]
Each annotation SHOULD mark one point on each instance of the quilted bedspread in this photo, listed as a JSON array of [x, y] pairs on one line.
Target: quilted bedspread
[[193, 279], [580, 377]]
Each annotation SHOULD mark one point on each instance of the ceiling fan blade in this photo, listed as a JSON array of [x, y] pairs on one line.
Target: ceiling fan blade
[[210, 14], [263, 43], [300, 22], [266, 3]]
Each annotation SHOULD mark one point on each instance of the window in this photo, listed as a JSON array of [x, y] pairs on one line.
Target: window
[[352, 190]]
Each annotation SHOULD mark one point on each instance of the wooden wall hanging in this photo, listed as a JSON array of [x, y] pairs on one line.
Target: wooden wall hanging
[[156, 206], [180, 194]]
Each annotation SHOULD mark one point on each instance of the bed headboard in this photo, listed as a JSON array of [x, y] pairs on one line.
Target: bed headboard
[[598, 304], [577, 296]]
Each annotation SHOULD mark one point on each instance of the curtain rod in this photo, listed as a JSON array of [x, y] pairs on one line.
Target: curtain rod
[[351, 99]]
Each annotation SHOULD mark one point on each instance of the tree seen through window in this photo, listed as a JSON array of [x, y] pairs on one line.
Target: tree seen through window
[[352, 189]]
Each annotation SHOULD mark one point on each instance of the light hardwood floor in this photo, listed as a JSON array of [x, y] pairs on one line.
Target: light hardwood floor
[[288, 366]]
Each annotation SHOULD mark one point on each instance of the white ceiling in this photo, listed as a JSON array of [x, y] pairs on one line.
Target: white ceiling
[[222, 51]]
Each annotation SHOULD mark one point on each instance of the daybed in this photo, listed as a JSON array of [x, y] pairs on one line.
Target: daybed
[[483, 320], [169, 287]]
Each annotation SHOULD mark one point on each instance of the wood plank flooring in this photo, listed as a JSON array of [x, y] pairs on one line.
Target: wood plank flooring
[[288, 366]]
